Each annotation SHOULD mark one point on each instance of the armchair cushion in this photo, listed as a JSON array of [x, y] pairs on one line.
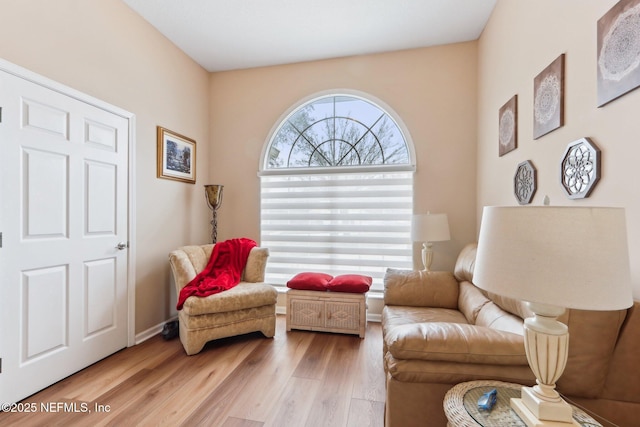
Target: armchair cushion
[[244, 295]]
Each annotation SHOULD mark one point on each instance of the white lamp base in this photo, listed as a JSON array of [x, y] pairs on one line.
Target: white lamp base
[[427, 255], [557, 410], [532, 421]]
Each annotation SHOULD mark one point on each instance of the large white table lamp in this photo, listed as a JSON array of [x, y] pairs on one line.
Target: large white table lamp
[[553, 258]]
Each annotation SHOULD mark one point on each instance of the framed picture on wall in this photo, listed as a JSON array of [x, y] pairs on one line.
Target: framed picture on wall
[[618, 51], [508, 126], [548, 98], [176, 156]]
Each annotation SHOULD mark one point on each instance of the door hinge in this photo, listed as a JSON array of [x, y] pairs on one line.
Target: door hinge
[[0, 239], [0, 114]]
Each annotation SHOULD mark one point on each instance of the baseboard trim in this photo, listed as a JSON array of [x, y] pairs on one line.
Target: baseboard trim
[[155, 330], [152, 331]]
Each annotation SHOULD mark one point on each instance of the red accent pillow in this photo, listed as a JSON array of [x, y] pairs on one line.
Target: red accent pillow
[[354, 283], [310, 281]]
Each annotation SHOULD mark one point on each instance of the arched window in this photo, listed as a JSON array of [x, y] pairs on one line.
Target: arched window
[[337, 191]]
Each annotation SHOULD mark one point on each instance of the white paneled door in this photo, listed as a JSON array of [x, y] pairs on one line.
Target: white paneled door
[[64, 224]]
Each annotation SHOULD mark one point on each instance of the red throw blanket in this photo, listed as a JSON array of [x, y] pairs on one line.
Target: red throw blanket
[[223, 271]]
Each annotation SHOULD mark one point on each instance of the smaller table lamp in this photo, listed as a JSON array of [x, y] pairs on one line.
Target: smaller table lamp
[[553, 258], [429, 228]]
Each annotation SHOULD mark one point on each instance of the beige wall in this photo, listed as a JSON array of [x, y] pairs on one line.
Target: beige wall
[[521, 39], [102, 48], [448, 98], [432, 90]]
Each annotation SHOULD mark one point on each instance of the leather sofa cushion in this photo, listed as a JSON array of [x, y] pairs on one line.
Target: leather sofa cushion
[[513, 306], [492, 316], [624, 364], [465, 263], [455, 342], [451, 373], [420, 288], [395, 315], [471, 301], [592, 341]]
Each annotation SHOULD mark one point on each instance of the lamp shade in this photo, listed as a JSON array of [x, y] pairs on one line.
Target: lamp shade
[[213, 193], [430, 228], [572, 257]]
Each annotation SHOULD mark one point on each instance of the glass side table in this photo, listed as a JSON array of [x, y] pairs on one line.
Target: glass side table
[[461, 406]]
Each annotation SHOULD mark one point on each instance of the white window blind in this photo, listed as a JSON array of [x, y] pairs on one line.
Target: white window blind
[[337, 223]]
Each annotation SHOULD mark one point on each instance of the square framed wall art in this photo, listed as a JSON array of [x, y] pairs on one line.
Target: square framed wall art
[[618, 51], [508, 126], [548, 98], [176, 156]]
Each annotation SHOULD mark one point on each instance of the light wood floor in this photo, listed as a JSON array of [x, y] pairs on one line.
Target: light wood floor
[[298, 378]]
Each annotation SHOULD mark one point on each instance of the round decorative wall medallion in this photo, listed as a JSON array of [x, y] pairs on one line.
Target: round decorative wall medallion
[[525, 182], [580, 168]]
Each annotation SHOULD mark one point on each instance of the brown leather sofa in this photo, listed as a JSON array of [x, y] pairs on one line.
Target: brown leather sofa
[[439, 329]]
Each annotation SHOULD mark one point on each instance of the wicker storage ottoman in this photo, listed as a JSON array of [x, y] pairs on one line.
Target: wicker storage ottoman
[[340, 312]]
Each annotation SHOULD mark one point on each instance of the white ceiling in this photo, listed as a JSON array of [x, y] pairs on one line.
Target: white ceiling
[[233, 34]]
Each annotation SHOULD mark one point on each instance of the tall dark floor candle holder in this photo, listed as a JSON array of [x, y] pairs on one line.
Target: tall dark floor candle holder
[[213, 194]]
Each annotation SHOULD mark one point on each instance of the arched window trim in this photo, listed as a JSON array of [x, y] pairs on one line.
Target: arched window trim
[[282, 120], [352, 230]]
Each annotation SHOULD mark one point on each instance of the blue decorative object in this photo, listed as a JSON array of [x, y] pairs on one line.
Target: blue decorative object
[[487, 400]]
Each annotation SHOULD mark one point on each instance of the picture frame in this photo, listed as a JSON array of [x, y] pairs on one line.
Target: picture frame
[[508, 126], [618, 56], [176, 156], [548, 98]]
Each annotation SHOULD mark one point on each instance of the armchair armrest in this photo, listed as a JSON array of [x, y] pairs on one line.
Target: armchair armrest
[[456, 342], [182, 268], [421, 288], [256, 265]]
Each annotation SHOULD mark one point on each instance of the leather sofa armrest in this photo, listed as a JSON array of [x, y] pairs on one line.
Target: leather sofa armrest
[[421, 288], [455, 342]]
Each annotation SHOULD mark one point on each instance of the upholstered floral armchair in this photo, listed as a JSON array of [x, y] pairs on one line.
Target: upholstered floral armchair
[[249, 306]]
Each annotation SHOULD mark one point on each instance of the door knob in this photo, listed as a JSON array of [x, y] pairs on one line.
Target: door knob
[[122, 245]]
